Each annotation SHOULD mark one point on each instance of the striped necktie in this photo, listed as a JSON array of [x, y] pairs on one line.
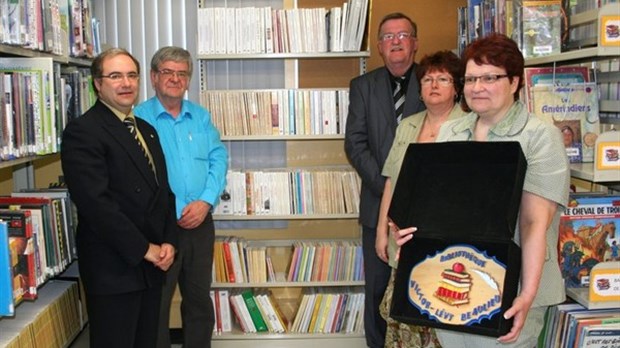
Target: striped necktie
[[399, 98], [130, 123]]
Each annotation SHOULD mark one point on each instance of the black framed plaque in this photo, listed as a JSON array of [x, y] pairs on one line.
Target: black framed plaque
[[460, 271]]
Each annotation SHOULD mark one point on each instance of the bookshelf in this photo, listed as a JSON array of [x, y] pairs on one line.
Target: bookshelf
[[298, 144], [597, 55], [55, 317]]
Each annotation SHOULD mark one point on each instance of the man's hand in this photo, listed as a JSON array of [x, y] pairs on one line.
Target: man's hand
[[152, 254], [194, 214], [166, 256]]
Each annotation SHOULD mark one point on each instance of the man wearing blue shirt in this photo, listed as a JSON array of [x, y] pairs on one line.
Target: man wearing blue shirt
[[196, 161]]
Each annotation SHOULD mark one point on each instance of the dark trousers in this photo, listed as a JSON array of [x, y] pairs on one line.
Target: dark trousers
[[377, 275], [125, 320], [192, 270]]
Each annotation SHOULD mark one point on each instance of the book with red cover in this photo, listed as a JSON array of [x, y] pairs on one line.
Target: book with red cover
[[22, 250], [52, 252]]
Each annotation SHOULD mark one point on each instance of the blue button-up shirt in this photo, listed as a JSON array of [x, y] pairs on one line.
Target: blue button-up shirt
[[196, 159]]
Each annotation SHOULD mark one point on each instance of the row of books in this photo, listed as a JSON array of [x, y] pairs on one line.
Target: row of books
[[61, 27], [254, 312], [326, 261], [248, 30], [540, 28], [39, 242], [37, 100], [278, 112], [290, 192], [53, 320], [235, 261], [329, 311], [573, 326]]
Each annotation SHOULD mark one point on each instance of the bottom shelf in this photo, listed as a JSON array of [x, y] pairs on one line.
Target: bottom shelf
[[289, 340], [52, 320]]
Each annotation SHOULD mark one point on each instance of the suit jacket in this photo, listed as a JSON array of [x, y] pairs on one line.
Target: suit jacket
[[121, 206], [370, 129]]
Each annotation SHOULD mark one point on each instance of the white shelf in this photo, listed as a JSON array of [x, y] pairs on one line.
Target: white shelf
[[287, 284], [241, 340], [282, 137], [28, 53], [609, 270], [284, 217], [582, 54], [584, 171], [311, 55]]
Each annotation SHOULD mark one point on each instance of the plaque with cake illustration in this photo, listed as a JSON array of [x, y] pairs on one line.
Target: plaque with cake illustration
[[459, 285], [460, 270]]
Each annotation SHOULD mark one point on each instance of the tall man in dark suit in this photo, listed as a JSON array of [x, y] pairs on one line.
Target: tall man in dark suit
[[375, 99], [126, 236]]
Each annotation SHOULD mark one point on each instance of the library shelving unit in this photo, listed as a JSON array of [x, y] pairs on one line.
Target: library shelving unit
[[54, 318], [588, 176], [289, 151], [583, 174]]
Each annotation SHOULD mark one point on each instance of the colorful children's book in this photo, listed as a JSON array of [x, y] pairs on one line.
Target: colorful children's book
[[588, 236]]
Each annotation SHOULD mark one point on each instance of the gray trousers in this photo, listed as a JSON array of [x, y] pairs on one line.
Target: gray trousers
[[192, 270]]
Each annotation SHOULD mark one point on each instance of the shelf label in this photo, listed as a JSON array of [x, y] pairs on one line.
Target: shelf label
[[610, 31], [605, 285]]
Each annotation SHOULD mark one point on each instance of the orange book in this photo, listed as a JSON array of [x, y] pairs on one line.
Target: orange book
[[230, 271]]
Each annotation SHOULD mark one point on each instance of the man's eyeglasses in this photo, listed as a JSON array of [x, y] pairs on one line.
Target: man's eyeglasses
[[118, 77], [485, 79], [167, 73], [401, 36], [442, 81]]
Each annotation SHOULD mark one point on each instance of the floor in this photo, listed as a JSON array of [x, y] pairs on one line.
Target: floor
[[82, 340]]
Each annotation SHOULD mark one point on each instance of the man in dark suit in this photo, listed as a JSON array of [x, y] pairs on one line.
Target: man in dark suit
[[377, 102], [126, 235]]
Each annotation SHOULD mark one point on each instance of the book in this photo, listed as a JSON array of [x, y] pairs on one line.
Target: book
[[552, 76], [574, 109], [224, 305], [255, 314], [587, 236], [7, 305], [596, 318], [601, 336], [54, 263], [541, 28], [22, 250]]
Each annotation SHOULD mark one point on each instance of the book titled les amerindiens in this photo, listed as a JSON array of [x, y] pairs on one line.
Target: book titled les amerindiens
[[461, 269]]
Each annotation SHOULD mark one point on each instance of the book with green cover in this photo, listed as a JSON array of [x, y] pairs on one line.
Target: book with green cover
[[257, 318]]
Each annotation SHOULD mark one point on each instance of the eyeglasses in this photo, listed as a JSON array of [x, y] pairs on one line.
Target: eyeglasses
[[167, 73], [485, 79], [401, 36], [118, 77], [442, 81]]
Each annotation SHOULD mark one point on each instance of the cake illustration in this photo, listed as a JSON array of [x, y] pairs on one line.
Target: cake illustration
[[454, 285]]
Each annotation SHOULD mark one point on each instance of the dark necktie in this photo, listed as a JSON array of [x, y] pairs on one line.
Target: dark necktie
[[399, 99], [130, 123]]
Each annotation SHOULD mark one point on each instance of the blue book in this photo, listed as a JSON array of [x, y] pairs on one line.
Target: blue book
[[7, 306]]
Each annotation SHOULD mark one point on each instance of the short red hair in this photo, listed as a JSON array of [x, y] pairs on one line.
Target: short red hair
[[500, 51]]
